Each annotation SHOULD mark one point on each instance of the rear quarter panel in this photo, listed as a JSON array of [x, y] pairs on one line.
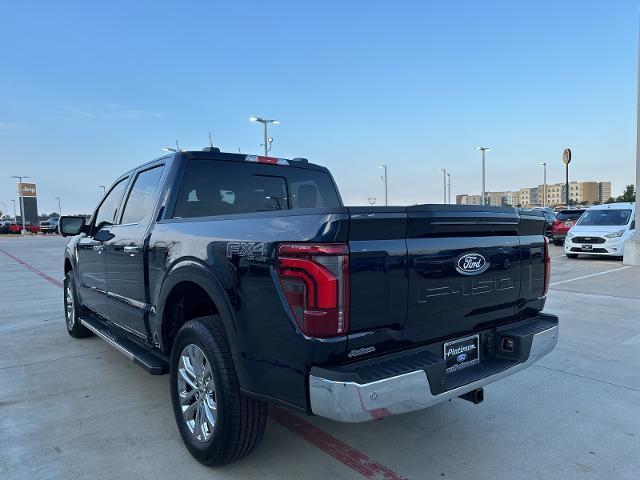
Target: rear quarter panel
[[238, 254]]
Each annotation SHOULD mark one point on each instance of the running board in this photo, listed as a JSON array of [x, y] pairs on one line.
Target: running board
[[147, 360]]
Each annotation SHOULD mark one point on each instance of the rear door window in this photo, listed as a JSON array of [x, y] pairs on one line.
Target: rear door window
[[142, 196], [215, 187]]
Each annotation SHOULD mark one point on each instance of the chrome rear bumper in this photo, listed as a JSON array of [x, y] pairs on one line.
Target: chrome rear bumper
[[354, 402]]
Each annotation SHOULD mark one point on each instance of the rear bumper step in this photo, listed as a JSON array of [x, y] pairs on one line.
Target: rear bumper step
[[147, 360], [334, 397]]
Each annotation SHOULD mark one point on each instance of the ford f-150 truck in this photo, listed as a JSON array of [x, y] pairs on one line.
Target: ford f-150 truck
[[247, 280]]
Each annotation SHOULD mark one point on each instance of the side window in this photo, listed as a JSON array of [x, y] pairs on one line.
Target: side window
[[107, 209], [142, 197]]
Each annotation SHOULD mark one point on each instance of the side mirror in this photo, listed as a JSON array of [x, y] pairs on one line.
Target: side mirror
[[70, 226]]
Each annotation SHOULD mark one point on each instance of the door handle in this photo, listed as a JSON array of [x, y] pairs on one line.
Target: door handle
[[98, 248], [131, 250]]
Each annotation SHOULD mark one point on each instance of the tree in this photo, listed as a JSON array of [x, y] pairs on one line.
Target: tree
[[629, 194]]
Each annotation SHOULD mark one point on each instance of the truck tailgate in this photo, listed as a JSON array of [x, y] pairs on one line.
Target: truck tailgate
[[430, 272]]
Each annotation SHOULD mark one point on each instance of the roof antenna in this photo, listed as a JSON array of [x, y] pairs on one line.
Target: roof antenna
[[210, 148]]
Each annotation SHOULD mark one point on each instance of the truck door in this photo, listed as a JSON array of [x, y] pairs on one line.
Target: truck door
[[90, 250], [127, 298]]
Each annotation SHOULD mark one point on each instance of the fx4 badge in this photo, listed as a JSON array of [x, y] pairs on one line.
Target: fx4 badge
[[248, 250]]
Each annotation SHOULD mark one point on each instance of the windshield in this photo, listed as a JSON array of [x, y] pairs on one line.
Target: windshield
[[603, 218], [569, 215]]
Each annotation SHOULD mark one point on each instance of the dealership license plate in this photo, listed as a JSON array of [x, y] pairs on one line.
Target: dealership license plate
[[587, 247], [462, 353]]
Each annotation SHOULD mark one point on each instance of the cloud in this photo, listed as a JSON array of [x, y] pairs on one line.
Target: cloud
[[77, 112], [9, 126], [111, 110]]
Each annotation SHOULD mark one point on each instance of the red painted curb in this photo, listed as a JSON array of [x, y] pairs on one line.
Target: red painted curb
[[49, 279]]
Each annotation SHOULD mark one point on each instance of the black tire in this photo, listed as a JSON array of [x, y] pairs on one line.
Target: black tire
[[572, 255], [240, 421], [72, 315]]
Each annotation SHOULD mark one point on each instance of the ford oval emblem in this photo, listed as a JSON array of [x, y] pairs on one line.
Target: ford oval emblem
[[471, 264], [461, 358]]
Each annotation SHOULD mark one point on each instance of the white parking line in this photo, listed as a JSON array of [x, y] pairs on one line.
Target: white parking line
[[589, 276]]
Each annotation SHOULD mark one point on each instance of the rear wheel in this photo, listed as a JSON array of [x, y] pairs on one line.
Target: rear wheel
[[218, 423], [572, 255], [72, 309]]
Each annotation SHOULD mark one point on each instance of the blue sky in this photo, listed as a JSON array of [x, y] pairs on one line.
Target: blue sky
[[89, 90]]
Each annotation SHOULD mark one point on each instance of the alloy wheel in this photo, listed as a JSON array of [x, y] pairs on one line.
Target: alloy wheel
[[69, 305], [197, 393]]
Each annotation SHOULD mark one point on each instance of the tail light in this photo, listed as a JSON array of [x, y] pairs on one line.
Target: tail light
[[547, 267], [315, 282]]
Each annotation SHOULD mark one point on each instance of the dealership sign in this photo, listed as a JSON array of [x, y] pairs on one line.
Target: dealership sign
[[27, 189]]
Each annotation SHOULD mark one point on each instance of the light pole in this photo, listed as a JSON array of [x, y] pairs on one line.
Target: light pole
[[544, 190], [15, 214], [483, 150], [449, 188], [20, 177], [444, 184], [267, 140], [104, 189], [59, 207], [385, 180]]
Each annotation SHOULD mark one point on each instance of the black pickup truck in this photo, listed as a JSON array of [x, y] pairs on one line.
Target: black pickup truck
[[247, 280]]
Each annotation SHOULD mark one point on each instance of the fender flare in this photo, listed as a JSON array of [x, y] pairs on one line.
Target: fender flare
[[194, 271]]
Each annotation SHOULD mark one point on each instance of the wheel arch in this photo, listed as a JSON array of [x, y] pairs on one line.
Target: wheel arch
[[189, 280]]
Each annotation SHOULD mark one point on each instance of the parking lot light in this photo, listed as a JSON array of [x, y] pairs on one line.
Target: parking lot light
[[267, 140], [483, 150]]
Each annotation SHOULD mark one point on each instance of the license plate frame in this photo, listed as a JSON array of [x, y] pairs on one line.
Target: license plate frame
[[461, 353], [587, 247]]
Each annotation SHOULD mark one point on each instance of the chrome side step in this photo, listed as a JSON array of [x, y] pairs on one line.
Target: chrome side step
[[144, 358]]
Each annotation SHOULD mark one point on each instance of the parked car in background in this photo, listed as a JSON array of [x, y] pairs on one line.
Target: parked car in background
[[564, 220], [32, 228], [49, 226], [5, 225], [15, 228], [601, 230], [549, 216]]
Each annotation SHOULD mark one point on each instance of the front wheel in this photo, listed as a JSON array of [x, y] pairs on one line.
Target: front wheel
[[217, 422], [72, 309], [572, 255]]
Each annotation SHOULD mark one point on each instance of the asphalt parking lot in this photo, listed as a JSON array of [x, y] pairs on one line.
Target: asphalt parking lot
[[79, 409]]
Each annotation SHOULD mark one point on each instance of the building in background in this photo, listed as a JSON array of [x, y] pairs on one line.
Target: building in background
[[604, 191], [579, 193], [585, 193]]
